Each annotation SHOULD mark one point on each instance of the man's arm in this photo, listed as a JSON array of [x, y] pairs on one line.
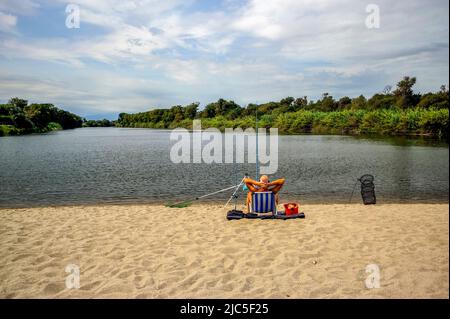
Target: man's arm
[[277, 182], [276, 185], [252, 183]]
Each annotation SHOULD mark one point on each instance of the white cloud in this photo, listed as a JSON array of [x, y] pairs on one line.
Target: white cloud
[[55, 51], [7, 22], [112, 92], [282, 19], [250, 52], [19, 7]]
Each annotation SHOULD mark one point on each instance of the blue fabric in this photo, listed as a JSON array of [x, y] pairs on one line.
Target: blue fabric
[[263, 202]]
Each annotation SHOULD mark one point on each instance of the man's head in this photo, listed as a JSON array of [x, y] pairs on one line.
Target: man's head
[[264, 179]]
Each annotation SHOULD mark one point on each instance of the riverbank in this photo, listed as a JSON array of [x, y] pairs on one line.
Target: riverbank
[[151, 251], [383, 122]]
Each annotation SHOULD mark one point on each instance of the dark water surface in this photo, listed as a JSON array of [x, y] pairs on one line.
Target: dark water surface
[[119, 165]]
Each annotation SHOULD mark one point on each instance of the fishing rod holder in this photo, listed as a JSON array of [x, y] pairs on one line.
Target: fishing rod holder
[[234, 195]]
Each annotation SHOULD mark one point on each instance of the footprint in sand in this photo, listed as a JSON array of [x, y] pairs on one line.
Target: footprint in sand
[[54, 288], [124, 274], [91, 286], [139, 282], [22, 256], [41, 259]]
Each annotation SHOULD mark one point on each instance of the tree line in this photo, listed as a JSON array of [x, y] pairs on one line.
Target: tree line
[[398, 111], [98, 123], [18, 117]]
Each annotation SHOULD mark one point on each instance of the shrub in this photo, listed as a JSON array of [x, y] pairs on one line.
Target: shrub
[[53, 126]]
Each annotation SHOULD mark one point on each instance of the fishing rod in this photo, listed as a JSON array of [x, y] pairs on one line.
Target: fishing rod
[[235, 192], [257, 142], [203, 196]]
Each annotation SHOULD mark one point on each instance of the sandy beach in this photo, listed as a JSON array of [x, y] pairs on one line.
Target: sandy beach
[[149, 251]]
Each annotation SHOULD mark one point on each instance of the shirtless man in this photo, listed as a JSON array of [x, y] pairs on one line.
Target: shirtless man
[[262, 186]]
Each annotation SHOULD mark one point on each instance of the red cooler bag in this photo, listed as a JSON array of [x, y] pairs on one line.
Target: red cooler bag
[[291, 209]]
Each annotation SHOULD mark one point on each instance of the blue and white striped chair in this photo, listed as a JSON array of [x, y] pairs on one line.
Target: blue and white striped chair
[[264, 202]]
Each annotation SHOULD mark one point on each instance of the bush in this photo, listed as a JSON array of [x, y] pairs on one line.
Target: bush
[[22, 122], [53, 126], [303, 122], [6, 120], [435, 121], [6, 130]]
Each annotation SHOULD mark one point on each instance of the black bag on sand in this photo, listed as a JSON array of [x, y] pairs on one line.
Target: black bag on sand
[[235, 214], [368, 189], [239, 214]]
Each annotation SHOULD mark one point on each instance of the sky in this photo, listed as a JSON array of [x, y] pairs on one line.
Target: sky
[[133, 56]]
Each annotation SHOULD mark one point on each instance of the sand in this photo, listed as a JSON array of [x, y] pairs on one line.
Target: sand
[[149, 251]]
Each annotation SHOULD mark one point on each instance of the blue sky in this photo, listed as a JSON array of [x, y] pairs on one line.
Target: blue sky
[[131, 56]]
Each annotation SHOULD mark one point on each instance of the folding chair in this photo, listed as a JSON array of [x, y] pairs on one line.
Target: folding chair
[[264, 202]]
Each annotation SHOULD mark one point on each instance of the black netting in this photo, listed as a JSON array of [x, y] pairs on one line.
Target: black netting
[[366, 179], [368, 189]]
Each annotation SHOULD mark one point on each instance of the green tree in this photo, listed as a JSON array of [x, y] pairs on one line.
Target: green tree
[[19, 103], [41, 114], [381, 101], [404, 92], [22, 122], [68, 120], [250, 110], [300, 103], [439, 100], [327, 104], [344, 103], [287, 101], [359, 103], [190, 111], [209, 111]]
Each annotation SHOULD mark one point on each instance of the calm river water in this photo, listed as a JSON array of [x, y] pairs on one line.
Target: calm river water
[[119, 165]]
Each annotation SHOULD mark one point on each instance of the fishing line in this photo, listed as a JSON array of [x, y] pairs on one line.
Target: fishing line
[[189, 201], [354, 186]]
